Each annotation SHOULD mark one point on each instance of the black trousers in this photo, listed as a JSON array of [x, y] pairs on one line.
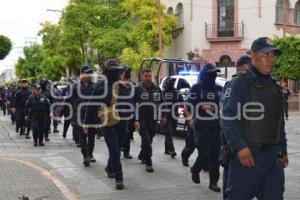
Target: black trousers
[[207, 140], [129, 137], [47, 128], [38, 125], [189, 147], [169, 130], [20, 119], [286, 110], [66, 127], [55, 124], [87, 141], [147, 133]]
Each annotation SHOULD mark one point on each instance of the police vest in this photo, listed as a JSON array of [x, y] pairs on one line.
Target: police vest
[[269, 97]]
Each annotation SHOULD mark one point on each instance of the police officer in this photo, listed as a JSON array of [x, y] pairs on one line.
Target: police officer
[[20, 99], [226, 152], [65, 111], [126, 89], [146, 120], [256, 134], [116, 126], [44, 83], [36, 110], [204, 96], [88, 114], [171, 97], [57, 92]]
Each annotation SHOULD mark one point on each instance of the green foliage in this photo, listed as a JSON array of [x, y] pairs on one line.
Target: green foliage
[[5, 46], [288, 64], [94, 30], [146, 28], [29, 67], [134, 58]]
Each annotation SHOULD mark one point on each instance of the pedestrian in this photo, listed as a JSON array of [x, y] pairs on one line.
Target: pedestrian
[[171, 97], [56, 110], [126, 97], [286, 98], [147, 98], [205, 96], [36, 111], [19, 102], [226, 152], [44, 83], [85, 113], [258, 139], [189, 146]]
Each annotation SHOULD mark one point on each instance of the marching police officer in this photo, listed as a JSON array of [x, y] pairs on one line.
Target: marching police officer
[[147, 99], [126, 89], [20, 99], [84, 124], [253, 126], [44, 83], [204, 96], [116, 126], [36, 110], [171, 97], [226, 152]]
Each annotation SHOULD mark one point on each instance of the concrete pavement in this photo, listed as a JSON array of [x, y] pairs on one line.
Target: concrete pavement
[[56, 171]]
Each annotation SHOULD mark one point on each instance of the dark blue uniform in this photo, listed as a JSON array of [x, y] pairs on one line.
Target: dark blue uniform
[[20, 99], [46, 93], [172, 97], [66, 113], [88, 114], [266, 179], [37, 109], [147, 115], [207, 130]]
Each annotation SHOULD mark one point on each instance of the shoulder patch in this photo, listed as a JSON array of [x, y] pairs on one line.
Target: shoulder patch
[[227, 93]]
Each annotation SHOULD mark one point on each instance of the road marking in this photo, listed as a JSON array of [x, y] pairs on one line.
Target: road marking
[[59, 184]]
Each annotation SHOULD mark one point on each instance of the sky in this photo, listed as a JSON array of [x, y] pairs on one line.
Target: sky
[[20, 20]]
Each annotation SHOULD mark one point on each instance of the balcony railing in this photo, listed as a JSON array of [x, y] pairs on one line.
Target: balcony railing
[[217, 32]]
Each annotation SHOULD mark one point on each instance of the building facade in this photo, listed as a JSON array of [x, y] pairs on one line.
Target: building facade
[[221, 31]]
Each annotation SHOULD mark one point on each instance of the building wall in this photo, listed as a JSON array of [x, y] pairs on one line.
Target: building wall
[[257, 21]]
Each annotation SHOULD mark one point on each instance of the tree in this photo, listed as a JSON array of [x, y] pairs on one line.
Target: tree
[[288, 63], [5, 46], [29, 67], [134, 58], [146, 30]]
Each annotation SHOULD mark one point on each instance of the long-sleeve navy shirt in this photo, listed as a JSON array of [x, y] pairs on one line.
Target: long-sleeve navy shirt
[[236, 93]]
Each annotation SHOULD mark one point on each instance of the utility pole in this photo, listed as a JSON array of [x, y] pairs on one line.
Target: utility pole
[[160, 45]]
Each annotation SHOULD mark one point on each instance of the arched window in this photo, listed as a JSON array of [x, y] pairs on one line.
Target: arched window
[[282, 11], [225, 18], [170, 11], [297, 13], [179, 14]]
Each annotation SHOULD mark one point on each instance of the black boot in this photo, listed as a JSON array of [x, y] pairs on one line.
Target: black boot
[[195, 176], [110, 174], [149, 168], [185, 161], [127, 156], [214, 187], [119, 185], [86, 161]]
